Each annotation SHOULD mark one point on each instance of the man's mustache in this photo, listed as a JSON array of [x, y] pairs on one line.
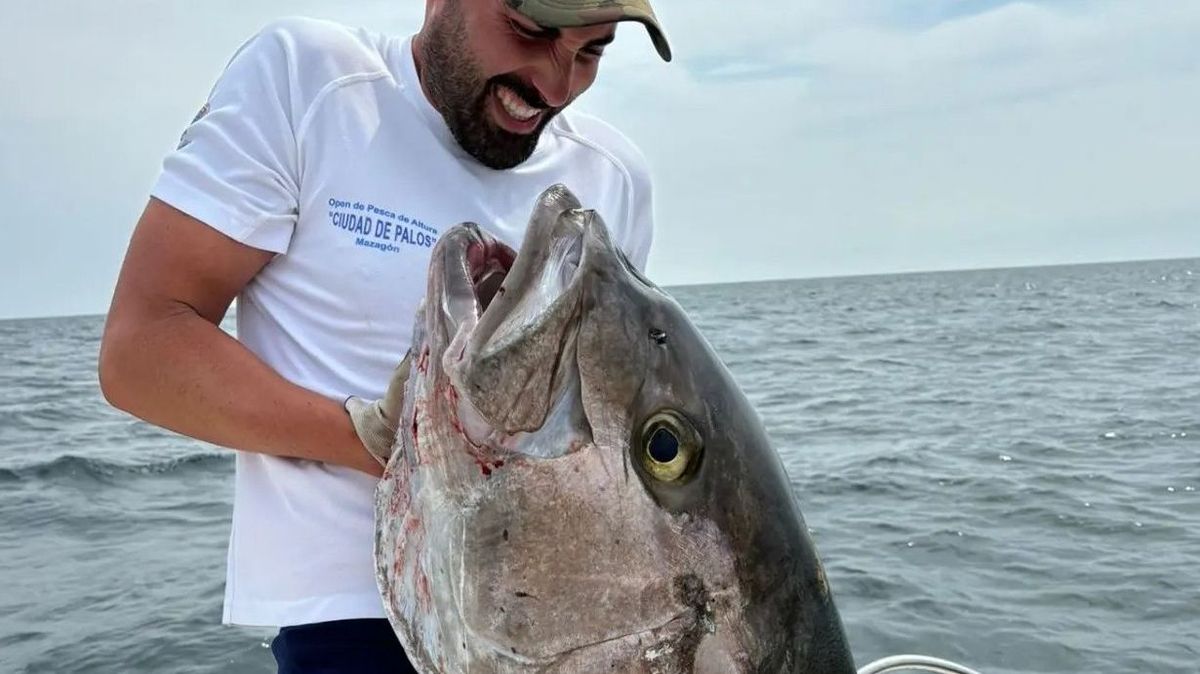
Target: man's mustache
[[527, 93]]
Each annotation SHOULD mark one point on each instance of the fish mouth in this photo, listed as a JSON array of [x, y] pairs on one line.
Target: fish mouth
[[479, 268], [514, 316], [475, 265]]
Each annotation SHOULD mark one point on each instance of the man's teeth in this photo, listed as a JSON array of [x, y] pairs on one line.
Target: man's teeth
[[514, 106]]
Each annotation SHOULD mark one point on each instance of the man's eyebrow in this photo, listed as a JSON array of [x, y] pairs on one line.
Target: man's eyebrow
[[602, 41], [533, 28], [544, 32], [548, 33]]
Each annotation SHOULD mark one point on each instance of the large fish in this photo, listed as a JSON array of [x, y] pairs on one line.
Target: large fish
[[579, 485]]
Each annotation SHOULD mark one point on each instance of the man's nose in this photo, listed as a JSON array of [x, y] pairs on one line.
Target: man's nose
[[555, 79]]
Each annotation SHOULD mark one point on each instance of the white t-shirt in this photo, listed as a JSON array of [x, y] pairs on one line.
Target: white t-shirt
[[318, 144]]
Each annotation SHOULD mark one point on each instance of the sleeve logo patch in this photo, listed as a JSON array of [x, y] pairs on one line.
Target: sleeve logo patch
[[183, 139]]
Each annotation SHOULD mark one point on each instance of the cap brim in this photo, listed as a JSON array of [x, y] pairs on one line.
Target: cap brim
[[573, 13], [656, 36]]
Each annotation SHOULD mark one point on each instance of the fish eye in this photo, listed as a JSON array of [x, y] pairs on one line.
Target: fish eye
[[670, 447], [663, 446]]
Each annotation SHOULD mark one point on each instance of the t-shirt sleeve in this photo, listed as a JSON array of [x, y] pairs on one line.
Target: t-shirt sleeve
[[236, 167]]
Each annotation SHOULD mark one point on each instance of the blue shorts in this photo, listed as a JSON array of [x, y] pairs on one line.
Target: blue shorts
[[366, 646]]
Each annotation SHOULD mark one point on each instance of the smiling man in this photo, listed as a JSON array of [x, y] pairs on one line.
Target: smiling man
[[311, 187], [529, 60]]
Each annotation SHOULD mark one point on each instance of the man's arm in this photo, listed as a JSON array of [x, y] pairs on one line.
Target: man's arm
[[165, 359]]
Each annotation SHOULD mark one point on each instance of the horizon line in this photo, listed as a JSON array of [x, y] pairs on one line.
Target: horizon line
[[910, 272], [952, 270]]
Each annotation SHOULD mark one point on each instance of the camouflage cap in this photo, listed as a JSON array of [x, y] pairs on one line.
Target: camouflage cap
[[569, 13]]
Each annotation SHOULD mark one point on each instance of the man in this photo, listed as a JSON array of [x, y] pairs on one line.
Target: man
[[311, 187]]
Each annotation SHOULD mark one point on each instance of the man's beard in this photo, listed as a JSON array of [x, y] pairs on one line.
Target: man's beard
[[460, 94]]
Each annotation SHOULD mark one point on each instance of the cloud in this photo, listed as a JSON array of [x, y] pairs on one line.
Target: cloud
[[789, 137], [1020, 133], [103, 92]]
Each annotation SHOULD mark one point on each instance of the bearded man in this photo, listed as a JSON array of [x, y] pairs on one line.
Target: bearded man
[[311, 187]]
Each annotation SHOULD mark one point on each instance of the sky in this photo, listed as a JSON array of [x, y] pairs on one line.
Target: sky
[[788, 138]]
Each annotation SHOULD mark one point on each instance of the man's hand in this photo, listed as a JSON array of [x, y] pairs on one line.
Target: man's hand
[[376, 421]]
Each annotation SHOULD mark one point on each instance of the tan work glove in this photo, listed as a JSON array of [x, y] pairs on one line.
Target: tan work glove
[[375, 421]]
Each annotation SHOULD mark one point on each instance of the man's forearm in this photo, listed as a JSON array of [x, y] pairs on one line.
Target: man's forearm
[[181, 372]]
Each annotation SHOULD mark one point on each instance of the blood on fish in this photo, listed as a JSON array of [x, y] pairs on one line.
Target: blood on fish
[[481, 454], [486, 466], [400, 498], [424, 598]]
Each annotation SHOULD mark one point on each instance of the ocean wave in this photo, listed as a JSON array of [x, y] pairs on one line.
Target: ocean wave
[[1167, 304], [72, 466]]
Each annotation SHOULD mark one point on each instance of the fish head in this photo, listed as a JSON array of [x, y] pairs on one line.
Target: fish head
[[586, 488]]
